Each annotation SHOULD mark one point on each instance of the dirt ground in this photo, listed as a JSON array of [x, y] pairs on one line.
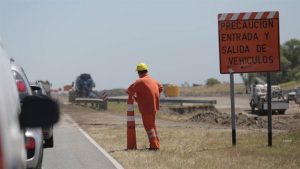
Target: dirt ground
[[245, 118]]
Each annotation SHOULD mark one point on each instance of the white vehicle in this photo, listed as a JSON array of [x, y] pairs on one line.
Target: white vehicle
[[12, 148], [14, 118], [291, 94], [297, 96], [33, 136], [259, 99]]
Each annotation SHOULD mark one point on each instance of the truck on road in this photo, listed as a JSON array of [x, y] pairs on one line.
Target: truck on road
[[84, 85], [258, 99]]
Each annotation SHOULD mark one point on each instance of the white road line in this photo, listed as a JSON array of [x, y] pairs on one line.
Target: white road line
[[110, 158]]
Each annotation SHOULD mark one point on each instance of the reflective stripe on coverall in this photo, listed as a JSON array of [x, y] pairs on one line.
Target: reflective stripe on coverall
[[147, 92]]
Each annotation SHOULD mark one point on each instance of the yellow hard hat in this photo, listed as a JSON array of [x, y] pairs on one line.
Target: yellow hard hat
[[141, 67]]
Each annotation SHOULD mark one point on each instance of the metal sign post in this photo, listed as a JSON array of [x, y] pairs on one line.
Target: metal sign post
[[269, 109], [232, 109]]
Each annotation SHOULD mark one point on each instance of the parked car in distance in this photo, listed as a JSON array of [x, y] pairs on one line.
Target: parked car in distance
[[15, 117], [33, 136], [38, 89], [297, 96], [291, 94]]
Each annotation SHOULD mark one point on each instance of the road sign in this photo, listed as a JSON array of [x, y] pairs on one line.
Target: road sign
[[249, 42]]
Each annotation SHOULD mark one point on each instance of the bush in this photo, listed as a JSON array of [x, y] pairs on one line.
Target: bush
[[212, 81]]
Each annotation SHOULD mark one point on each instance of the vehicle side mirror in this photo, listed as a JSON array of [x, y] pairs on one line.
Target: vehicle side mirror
[[38, 111]]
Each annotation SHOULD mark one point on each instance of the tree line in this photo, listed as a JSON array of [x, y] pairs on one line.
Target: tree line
[[289, 63]]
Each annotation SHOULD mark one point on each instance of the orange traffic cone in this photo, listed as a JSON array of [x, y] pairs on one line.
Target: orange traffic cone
[[131, 136]]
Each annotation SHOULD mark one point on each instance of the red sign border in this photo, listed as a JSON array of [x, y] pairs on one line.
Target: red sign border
[[243, 13]]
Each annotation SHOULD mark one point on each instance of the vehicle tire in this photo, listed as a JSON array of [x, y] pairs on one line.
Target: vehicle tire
[[281, 111], [252, 108], [252, 105], [48, 142]]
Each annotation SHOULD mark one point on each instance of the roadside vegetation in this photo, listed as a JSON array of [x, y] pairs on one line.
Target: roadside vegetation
[[290, 85], [216, 89], [289, 64], [193, 148], [186, 145]]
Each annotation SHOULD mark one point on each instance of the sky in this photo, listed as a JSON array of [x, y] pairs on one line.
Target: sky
[[57, 40]]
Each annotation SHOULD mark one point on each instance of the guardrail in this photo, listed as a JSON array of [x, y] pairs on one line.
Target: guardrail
[[93, 103], [170, 100], [102, 104]]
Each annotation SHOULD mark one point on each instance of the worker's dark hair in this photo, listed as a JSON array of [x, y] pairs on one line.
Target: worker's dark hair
[[142, 72]]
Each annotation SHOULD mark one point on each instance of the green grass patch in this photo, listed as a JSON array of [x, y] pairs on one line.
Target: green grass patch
[[290, 85], [207, 90]]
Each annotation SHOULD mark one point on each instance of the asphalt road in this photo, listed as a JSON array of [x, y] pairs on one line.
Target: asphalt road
[[73, 150]]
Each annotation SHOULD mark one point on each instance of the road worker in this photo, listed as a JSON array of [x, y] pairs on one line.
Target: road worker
[[145, 92]]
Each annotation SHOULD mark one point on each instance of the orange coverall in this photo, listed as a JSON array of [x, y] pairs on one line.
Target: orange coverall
[[147, 91]]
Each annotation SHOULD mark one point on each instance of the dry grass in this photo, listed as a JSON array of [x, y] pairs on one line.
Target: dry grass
[[290, 85], [190, 146], [215, 89], [201, 148]]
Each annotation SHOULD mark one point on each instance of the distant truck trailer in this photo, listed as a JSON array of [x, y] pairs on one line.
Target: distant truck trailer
[[84, 85]]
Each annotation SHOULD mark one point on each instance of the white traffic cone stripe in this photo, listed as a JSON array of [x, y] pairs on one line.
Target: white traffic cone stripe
[[130, 107], [130, 118]]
